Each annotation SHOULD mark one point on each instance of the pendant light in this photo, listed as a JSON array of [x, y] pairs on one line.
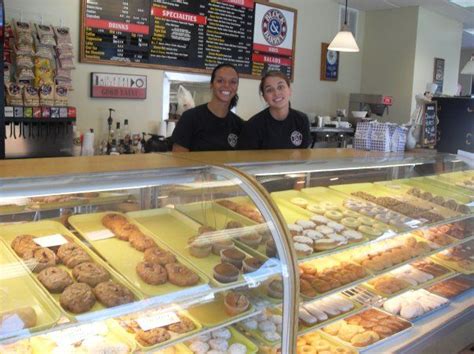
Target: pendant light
[[344, 40], [469, 67]]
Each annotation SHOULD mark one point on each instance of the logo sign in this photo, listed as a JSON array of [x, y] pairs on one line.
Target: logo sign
[[296, 138], [106, 85], [232, 140], [274, 27]]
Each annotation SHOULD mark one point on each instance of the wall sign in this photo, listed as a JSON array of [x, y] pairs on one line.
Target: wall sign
[[107, 85], [429, 125], [329, 70], [438, 74], [191, 36]]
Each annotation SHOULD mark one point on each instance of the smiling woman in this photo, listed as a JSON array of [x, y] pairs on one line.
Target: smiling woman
[[278, 126], [212, 126]]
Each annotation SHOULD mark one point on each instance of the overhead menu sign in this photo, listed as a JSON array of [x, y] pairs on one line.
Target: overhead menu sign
[[188, 35]]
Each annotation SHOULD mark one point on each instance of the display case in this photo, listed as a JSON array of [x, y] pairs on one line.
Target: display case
[[281, 251]]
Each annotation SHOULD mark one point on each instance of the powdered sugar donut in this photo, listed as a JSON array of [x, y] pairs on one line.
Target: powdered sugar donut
[[267, 326], [237, 348], [222, 333], [303, 239], [219, 344], [250, 324], [313, 234], [320, 219], [336, 226], [326, 230], [199, 347], [306, 224], [271, 336]]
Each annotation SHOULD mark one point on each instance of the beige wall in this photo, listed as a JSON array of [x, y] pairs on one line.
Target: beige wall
[[465, 80], [435, 43], [317, 22], [388, 57]]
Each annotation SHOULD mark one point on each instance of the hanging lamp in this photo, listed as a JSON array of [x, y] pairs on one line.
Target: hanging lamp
[[344, 40], [469, 67]]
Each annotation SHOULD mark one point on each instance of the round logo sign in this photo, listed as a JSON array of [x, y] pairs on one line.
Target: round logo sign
[[274, 27], [232, 140], [296, 138]]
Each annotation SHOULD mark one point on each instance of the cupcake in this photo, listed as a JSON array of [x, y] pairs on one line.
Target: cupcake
[[204, 229], [252, 239], [199, 248], [250, 265], [233, 225], [235, 303], [275, 289], [226, 273], [270, 249], [232, 256], [218, 246]]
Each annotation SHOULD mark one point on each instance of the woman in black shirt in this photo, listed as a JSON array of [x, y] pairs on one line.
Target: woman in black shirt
[[278, 126], [212, 126]]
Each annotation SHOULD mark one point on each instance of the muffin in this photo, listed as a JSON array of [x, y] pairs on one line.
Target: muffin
[[275, 289], [250, 265], [235, 303], [226, 273], [199, 247], [232, 256], [219, 245], [252, 239]]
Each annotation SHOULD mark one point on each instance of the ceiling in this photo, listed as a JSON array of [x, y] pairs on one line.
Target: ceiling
[[464, 15]]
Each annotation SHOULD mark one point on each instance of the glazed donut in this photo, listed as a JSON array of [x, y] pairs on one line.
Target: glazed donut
[[367, 211], [305, 349], [321, 345], [333, 215], [366, 221], [350, 214], [380, 227], [301, 202], [315, 208], [369, 230], [328, 205], [300, 342], [351, 222]]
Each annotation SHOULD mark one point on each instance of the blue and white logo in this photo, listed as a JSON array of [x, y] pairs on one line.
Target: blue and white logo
[[274, 27]]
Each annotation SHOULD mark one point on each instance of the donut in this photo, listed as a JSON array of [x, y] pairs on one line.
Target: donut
[[350, 214], [366, 221], [305, 349], [306, 224], [328, 205], [301, 202], [319, 219], [351, 222], [315, 208], [336, 226], [380, 227], [322, 345], [333, 215]]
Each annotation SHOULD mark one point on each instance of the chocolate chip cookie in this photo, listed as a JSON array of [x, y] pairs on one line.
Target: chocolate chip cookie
[[153, 336], [152, 273], [159, 256], [111, 294], [90, 273], [77, 298], [180, 275], [55, 279], [72, 255]]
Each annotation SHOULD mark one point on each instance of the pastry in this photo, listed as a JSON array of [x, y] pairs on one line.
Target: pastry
[[112, 294], [152, 337], [364, 339], [325, 230], [333, 328], [42, 259], [350, 222], [23, 245], [328, 205], [233, 225], [347, 332], [205, 229], [90, 273], [218, 345], [275, 288], [251, 239], [72, 254], [237, 348], [159, 256], [183, 326], [315, 208], [369, 230], [221, 244], [125, 231], [235, 303], [141, 242], [320, 219], [77, 298], [301, 202], [55, 279], [181, 275], [198, 247], [313, 234], [333, 215], [352, 235], [306, 318], [111, 221], [303, 250], [152, 273], [324, 244], [20, 318], [336, 226], [295, 229], [232, 256], [226, 273], [306, 224]]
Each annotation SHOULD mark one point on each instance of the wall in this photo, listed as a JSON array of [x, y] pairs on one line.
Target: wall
[[465, 80], [388, 57], [435, 43], [317, 22]]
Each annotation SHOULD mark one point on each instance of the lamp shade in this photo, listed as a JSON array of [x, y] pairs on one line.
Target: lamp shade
[[344, 42], [469, 67]]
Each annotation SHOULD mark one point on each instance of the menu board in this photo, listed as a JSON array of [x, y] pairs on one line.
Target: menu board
[[189, 35], [429, 125]]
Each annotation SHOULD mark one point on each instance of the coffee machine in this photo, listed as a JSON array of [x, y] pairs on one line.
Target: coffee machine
[[374, 104]]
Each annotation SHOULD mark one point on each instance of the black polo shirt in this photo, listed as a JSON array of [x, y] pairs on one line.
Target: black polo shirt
[[199, 129]]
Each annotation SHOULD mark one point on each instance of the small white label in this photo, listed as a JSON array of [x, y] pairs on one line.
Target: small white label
[[413, 223], [387, 234], [471, 204], [156, 321], [73, 335], [50, 240], [99, 235]]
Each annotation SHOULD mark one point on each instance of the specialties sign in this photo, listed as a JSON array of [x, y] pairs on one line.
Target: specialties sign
[[106, 85]]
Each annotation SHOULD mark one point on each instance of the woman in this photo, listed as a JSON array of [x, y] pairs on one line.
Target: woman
[[212, 126], [278, 126]]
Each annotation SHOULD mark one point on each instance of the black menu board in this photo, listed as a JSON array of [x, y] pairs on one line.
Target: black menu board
[[186, 35], [429, 125]]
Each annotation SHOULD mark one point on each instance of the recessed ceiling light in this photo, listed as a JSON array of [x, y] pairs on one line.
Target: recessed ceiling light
[[463, 3], [469, 30]]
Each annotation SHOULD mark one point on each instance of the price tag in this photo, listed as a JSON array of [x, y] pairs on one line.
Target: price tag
[[471, 204], [77, 334], [50, 240], [413, 223], [99, 235], [386, 235], [156, 321]]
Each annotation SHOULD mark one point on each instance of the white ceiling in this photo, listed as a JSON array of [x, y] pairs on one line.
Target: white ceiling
[[443, 7]]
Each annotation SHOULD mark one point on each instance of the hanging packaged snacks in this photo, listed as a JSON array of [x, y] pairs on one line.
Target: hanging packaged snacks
[[46, 95], [61, 96], [24, 74], [30, 96], [45, 35], [24, 61], [23, 33], [63, 37], [43, 72], [43, 51], [63, 74], [63, 53], [66, 63], [6, 73], [65, 83], [13, 95]]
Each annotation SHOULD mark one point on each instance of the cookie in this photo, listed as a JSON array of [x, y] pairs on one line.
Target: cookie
[[42, 259], [55, 279], [77, 298], [180, 275], [152, 337], [111, 294], [24, 245], [184, 326], [72, 255], [114, 221], [125, 231], [90, 273], [151, 273], [159, 256]]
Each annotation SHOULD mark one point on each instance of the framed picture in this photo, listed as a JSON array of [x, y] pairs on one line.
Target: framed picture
[[438, 75], [124, 86], [329, 63]]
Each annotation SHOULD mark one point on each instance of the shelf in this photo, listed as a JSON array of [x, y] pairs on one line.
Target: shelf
[[40, 120]]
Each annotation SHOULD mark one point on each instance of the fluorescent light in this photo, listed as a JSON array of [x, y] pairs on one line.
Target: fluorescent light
[[463, 3]]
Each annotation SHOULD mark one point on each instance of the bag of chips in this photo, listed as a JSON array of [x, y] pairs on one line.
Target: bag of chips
[[45, 35], [61, 96], [46, 95], [13, 95], [43, 72], [23, 33], [30, 96], [63, 37]]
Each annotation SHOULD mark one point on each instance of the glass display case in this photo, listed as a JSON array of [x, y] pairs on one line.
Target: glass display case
[[149, 260], [236, 252]]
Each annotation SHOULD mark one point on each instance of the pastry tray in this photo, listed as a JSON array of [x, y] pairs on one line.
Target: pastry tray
[[467, 278], [174, 229], [18, 289], [124, 258], [455, 265], [44, 228], [373, 345], [213, 314], [333, 342], [238, 337], [256, 333], [449, 180], [386, 295], [114, 325]]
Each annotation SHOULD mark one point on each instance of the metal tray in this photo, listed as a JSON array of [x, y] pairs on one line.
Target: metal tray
[[124, 258], [43, 228], [238, 337]]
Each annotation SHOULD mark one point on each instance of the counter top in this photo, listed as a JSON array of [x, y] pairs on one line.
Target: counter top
[[331, 130]]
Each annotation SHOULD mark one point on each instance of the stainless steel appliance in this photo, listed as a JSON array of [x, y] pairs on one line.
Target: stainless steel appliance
[[372, 103]]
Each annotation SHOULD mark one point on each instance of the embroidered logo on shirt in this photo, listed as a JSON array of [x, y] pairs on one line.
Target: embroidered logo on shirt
[[296, 138], [232, 140]]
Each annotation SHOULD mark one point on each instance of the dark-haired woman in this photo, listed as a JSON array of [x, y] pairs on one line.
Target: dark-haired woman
[[212, 126], [278, 126]]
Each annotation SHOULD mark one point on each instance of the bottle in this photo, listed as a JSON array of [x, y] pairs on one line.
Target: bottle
[[118, 138], [110, 135], [143, 143], [127, 137]]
